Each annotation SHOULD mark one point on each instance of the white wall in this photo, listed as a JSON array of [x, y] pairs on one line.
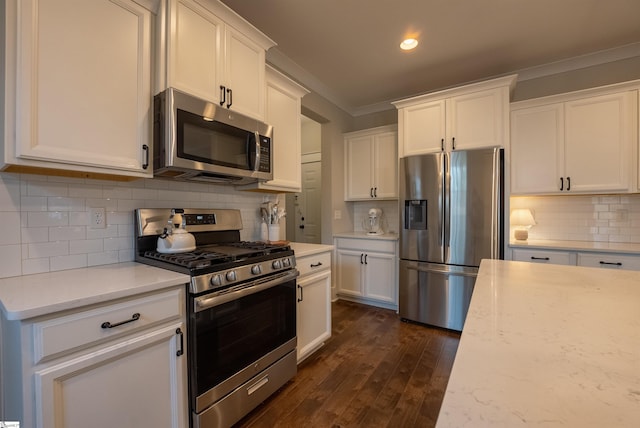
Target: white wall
[[44, 219], [614, 218]]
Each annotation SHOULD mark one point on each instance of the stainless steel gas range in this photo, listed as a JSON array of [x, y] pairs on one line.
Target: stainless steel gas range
[[241, 337]]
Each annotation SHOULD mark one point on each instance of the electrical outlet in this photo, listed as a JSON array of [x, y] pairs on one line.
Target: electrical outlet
[[337, 215], [97, 218]]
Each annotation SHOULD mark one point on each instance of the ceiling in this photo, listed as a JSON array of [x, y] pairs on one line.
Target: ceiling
[[348, 50]]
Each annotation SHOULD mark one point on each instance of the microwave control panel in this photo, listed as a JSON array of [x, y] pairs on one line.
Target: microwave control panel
[[265, 154]]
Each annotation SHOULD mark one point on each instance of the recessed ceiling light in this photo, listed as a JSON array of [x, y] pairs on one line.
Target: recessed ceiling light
[[408, 44]]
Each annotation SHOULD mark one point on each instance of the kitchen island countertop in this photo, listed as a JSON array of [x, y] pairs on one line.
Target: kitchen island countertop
[[547, 345], [29, 296]]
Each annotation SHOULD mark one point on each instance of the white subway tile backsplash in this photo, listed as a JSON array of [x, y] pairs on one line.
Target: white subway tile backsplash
[[10, 260], [10, 222], [9, 194], [86, 246], [33, 203], [67, 233], [105, 258], [48, 249], [31, 235], [64, 204], [47, 218], [47, 225], [32, 266], [68, 262], [613, 218]]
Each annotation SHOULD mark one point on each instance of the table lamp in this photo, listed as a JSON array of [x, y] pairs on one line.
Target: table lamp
[[522, 220]]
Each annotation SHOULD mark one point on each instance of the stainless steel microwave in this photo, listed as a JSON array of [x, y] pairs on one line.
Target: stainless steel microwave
[[197, 140]]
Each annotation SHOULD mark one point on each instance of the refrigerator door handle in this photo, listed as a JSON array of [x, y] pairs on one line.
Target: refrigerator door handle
[[496, 196], [442, 272]]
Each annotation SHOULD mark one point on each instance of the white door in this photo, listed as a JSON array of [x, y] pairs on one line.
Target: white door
[[424, 128], [349, 272], [380, 277], [359, 168], [475, 120], [307, 204], [386, 166]]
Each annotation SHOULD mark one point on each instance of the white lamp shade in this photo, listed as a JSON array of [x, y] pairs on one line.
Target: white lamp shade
[[522, 217]]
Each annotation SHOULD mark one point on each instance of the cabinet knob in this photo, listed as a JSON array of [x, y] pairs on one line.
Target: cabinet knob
[[568, 183], [453, 143], [561, 183]]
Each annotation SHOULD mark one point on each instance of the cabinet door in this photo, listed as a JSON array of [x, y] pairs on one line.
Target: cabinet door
[[424, 129], [544, 256], [380, 277], [385, 166], [609, 261], [314, 312], [358, 168], [194, 50], [537, 143], [244, 74], [598, 142], [84, 86], [139, 382], [349, 272], [475, 120]]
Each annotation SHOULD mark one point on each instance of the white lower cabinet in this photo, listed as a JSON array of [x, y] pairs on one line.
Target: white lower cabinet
[[609, 261], [544, 256], [314, 303], [76, 371], [366, 271], [573, 258]]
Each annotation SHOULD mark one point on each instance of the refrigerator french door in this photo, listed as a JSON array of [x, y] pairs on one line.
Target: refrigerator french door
[[452, 217]]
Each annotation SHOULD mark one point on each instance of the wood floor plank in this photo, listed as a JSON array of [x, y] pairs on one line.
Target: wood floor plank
[[375, 371]]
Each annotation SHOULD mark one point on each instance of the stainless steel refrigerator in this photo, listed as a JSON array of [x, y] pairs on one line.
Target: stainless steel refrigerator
[[451, 213]]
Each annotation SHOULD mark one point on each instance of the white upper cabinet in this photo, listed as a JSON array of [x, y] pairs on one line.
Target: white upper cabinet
[[283, 114], [585, 142], [212, 53], [371, 164], [77, 87], [466, 117], [537, 149]]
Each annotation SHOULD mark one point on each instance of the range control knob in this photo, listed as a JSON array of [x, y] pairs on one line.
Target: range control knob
[[216, 280], [231, 275], [286, 262], [256, 269], [276, 264]]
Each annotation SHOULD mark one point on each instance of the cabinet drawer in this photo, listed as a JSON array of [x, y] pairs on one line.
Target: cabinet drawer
[[609, 261], [81, 329], [378, 245], [313, 263], [540, 256]]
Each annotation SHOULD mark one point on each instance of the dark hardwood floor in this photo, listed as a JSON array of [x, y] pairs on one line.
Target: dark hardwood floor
[[375, 371]]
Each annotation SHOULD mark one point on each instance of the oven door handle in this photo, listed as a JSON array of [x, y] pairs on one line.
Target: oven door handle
[[207, 301]]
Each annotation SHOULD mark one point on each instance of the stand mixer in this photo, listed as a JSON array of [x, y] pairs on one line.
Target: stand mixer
[[374, 222]]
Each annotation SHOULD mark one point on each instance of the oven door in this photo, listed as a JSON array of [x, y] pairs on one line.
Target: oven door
[[237, 333]]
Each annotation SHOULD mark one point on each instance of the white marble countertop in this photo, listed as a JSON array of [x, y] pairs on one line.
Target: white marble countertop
[[364, 235], [29, 296], [303, 249], [547, 345], [600, 247]]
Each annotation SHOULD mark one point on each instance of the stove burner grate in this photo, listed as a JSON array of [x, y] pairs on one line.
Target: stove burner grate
[[193, 260]]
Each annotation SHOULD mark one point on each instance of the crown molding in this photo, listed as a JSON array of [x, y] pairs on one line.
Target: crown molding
[[287, 66]]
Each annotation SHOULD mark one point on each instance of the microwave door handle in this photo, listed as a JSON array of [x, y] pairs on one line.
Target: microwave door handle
[[256, 165]]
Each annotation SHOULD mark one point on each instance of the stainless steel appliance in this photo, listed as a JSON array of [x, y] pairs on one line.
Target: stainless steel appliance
[[241, 308], [451, 209], [196, 140]]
